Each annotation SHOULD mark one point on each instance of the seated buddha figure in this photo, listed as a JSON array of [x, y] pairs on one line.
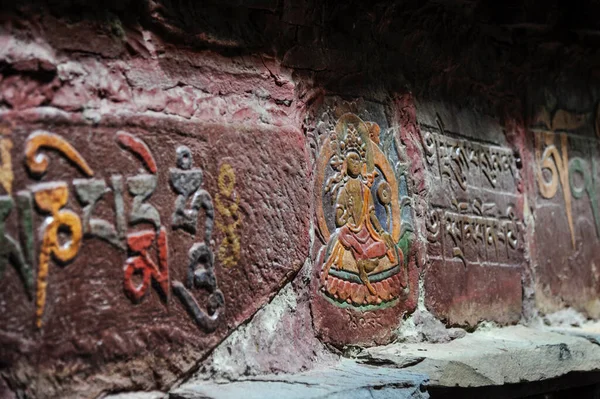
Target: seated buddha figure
[[358, 228]]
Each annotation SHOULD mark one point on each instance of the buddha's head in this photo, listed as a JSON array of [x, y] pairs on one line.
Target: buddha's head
[[353, 164], [355, 151]]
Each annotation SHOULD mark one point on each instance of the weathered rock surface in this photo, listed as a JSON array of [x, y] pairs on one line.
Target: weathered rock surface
[[273, 341], [225, 227], [347, 379], [422, 326], [494, 357], [563, 133], [483, 114], [474, 224], [519, 359]]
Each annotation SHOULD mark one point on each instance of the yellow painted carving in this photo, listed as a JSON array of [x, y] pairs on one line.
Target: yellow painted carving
[[557, 163], [374, 158], [6, 172], [352, 151], [554, 160], [37, 163], [227, 203], [50, 198]]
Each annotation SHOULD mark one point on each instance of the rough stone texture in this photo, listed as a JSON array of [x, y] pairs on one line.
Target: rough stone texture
[[345, 380], [589, 331], [229, 111], [343, 319], [242, 83], [424, 327], [563, 134], [508, 362], [260, 347], [86, 297], [494, 357], [474, 223], [564, 318]]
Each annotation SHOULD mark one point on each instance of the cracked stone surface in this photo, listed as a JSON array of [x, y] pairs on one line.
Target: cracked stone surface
[[424, 327], [589, 331], [262, 345], [347, 379], [489, 357], [493, 357]]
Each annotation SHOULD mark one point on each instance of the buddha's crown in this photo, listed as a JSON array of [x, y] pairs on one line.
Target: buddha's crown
[[353, 142]]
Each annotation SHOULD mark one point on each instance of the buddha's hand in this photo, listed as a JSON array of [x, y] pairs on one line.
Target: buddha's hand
[[387, 238]]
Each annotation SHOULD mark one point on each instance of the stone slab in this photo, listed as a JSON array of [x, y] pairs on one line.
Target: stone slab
[[474, 230], [564, 157], [365, 275], [112, 297], [346, 380], [493, 361], [495, 357], [465, 296], [562, 153], [589, 331]]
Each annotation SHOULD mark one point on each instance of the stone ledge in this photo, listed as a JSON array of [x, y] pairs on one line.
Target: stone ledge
[[515, 361], [347, 379], [496, 357]]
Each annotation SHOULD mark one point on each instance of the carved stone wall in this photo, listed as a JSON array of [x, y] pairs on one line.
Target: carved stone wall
[[169, 168]]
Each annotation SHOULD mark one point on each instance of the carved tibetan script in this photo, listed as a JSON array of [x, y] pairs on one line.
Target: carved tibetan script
[[131, 222], [566, 166], [566, 153], [142, 237], [473, 199]]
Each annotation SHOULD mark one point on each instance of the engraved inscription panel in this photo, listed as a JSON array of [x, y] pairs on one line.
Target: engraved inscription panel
[[566, 153], [473, 228], [154, 235]]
